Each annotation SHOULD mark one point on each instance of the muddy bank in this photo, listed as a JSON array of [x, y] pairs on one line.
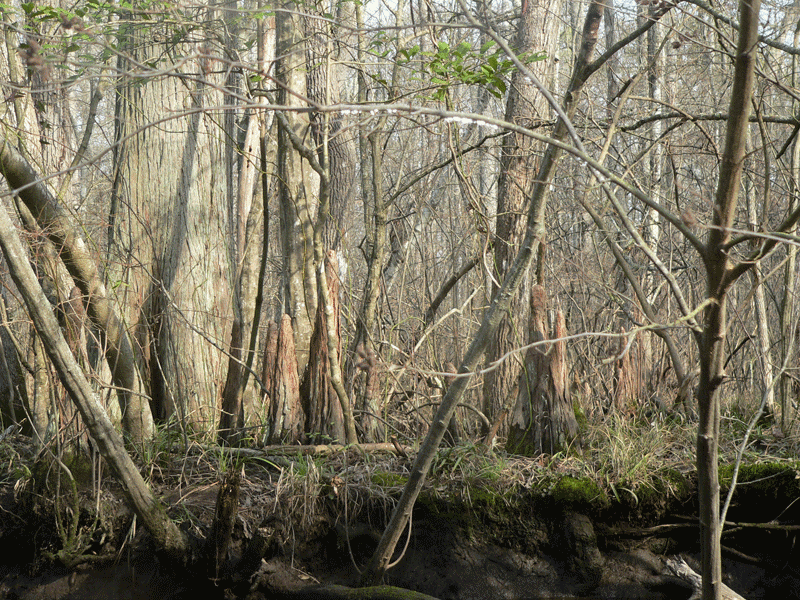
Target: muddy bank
[[310, 523]]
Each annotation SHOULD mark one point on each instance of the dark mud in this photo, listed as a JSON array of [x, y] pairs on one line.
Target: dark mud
[[569, 541]]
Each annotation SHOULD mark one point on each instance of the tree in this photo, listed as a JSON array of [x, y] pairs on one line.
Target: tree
[[65, 234], [721, 273], [543, 421], [537, 34], [298, 185], [171, 215], [497, 311], [151, 512]]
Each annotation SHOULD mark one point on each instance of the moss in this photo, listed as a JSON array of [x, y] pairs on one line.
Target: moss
[[580, 418], [486, 496], [47, 470], [770, 478], [573, 493], [676, 483], [387, 480]]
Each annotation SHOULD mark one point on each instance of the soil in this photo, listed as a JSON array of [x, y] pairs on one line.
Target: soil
[[295, 531]]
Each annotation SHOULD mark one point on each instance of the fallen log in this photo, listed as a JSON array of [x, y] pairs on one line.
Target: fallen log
[[683, 571], [340, 592]]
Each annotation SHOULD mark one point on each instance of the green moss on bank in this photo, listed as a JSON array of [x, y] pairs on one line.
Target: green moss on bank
[[582, 493]]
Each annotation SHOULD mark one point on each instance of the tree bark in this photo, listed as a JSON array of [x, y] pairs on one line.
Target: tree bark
[[170, 223], [323, 409], [65, 233], [286, 410], [110, 444], [543, 420], [538, 31], [720, 277], [297, 184]]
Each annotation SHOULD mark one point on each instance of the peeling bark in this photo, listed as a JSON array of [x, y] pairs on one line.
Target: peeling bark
[[286, 411], [543, 420], [323, 409]]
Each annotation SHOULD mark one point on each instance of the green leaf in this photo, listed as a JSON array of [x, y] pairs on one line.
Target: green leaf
[[487, 46], [462, 49]]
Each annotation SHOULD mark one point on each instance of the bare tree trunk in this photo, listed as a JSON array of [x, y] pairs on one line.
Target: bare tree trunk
[[286, 410], [325, 77], [170, 220], [788, 334], [543, 420], [369, 395], [538, 31], [110, 444], [628, 376], [323, 409], [240, 396], [376, 237], [720, 277], [269, 359], [765, 367], [297, 184]]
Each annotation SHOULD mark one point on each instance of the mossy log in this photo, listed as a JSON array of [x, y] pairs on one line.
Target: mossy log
[[340, 592]]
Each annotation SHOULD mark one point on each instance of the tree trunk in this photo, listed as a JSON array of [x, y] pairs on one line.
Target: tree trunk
[[538, 31], [369, 395], [628, 376], [170, 221], [720, 277], [240, 396], [110, 444], [788, 334], [543, 421], [323, 409], [764, 364], [65, 234], [285, 410], [270, 358], [297, 184]]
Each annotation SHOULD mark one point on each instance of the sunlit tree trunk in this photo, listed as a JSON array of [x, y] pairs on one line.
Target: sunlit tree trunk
[[170, 219], [719, 277], [241, 396], [788, 335], [765, 371], [297, 184], [538, 32]]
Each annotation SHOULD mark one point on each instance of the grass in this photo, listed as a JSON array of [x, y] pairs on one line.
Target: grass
[[624, 462]]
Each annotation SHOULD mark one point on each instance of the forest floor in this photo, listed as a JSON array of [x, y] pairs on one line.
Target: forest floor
[[596, 524]]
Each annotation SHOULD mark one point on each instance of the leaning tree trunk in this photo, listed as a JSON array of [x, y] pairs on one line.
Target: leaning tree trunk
[[538, 31], [170, 221], [65, 234], [498, 309], [109, 442]]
